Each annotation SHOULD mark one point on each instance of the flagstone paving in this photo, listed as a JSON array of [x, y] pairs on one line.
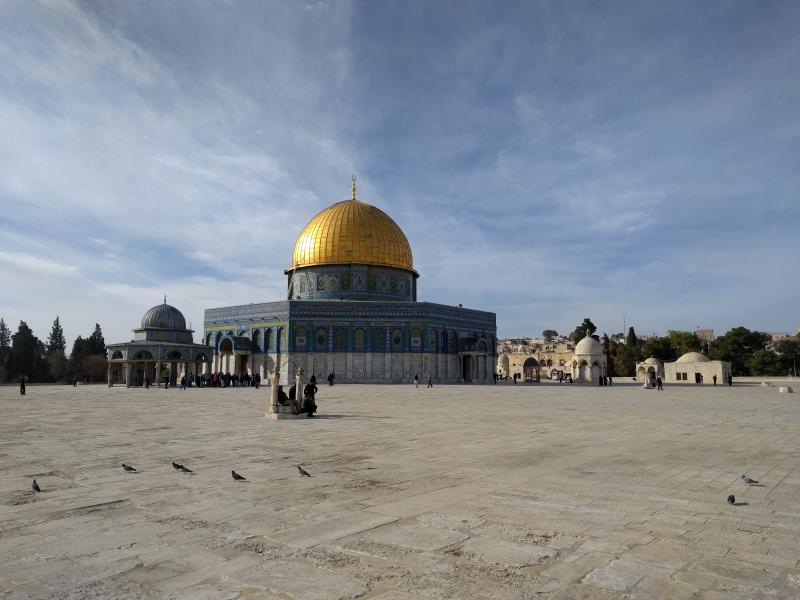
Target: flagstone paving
[[466, 492]]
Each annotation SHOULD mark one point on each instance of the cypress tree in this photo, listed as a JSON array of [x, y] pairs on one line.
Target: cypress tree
[[56, 340]]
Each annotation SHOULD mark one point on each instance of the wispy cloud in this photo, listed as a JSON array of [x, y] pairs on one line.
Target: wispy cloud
[[547, 161]]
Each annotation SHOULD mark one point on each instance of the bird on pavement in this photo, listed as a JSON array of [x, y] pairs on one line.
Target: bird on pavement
[[128, 468], [35, 486], [731, 499], [237, 477], [177, 466], [303, 472], [186, 469], [747, 480]]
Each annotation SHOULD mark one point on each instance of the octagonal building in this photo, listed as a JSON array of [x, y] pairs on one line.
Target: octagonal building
[[352, 310]]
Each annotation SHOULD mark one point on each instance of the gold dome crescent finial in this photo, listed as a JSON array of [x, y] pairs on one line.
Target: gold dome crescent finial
[[354, 187]]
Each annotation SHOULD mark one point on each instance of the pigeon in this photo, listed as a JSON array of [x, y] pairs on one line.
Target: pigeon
[[186, 469], [128, 468], [237, 477], [177, 466], [731, 499], [35, 486], [747, 480], [303, 472]]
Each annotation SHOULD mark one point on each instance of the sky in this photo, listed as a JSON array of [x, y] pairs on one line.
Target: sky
[[633, 162]]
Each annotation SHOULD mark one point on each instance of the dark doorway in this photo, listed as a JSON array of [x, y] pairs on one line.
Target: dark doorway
[[466, 368]]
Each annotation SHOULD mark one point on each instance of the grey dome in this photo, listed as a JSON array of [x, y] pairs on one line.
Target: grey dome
[[163, 316]]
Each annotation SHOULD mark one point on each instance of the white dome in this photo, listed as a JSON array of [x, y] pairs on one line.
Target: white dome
[[589, 345], [692, 357], [653, 362]]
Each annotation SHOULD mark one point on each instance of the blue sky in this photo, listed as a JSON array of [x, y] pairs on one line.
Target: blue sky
[[548, 161]]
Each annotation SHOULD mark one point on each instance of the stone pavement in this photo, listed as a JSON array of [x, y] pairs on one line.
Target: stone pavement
[[456, 492]]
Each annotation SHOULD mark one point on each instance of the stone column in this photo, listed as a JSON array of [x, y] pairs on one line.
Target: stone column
[[127, 374], [272, 408], [158, 373], [298, 390], [108, 375]]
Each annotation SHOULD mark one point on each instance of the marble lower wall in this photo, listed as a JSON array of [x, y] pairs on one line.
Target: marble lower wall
[[371, 367]]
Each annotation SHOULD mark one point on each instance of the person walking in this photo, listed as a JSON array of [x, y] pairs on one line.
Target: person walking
[[416, 380], [430, 381], [730, 379], [659, 384], [183, 382], [22, 386], [714, 379]]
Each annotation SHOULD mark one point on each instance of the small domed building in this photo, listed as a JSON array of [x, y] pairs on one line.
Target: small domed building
[[352, 310], [648, 370], [589, 362], [695, 367], [161, 342]]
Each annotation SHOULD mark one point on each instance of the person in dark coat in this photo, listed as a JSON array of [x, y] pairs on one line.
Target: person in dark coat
[[22, 386], [331, 379], [309, 406], [659, 384]]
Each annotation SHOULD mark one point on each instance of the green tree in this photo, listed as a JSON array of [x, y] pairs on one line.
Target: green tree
[[97, 345], [737, 346], [684, 341], [549, 335], [628, 355], [581, 330], [56, 340], [5, 335], [789, 353], [660, 348], [610, 350], [5, 350], [27, 354], [765, 362]]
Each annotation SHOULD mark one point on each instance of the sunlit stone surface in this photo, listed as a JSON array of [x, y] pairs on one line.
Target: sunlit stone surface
[[460, 492]]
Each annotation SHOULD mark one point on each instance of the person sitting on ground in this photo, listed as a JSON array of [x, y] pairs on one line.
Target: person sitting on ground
[[283, 399]]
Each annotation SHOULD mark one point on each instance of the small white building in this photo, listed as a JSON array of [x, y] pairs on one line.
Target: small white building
[[694, 367], [589, 361], [648, 370]]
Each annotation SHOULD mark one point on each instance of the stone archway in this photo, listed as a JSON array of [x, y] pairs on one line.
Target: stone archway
[[530, 369]]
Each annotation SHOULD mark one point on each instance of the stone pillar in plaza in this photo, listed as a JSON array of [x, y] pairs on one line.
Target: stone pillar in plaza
[[158, 373], [127, 374], [272, 407], [108, 375]]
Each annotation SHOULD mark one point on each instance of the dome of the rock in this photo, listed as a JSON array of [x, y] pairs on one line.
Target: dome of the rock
[[352, 232]]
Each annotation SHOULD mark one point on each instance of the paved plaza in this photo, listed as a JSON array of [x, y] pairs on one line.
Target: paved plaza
[[465, 492]]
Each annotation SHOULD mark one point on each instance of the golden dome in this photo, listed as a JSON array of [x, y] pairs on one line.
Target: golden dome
[[352, 232]]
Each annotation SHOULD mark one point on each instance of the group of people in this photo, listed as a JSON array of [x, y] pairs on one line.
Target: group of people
[[307, 404], [225, 380]]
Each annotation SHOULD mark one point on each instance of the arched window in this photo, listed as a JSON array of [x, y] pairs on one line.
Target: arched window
[[300, 337], [321, 339], [256, 341], [433, 337], [280, 340], [444, 341], [117, 354], [340, 339], [358, 340], [377, 339], [218, 339], [416, 337], [397, 340], [268, 339], [208, 338]]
